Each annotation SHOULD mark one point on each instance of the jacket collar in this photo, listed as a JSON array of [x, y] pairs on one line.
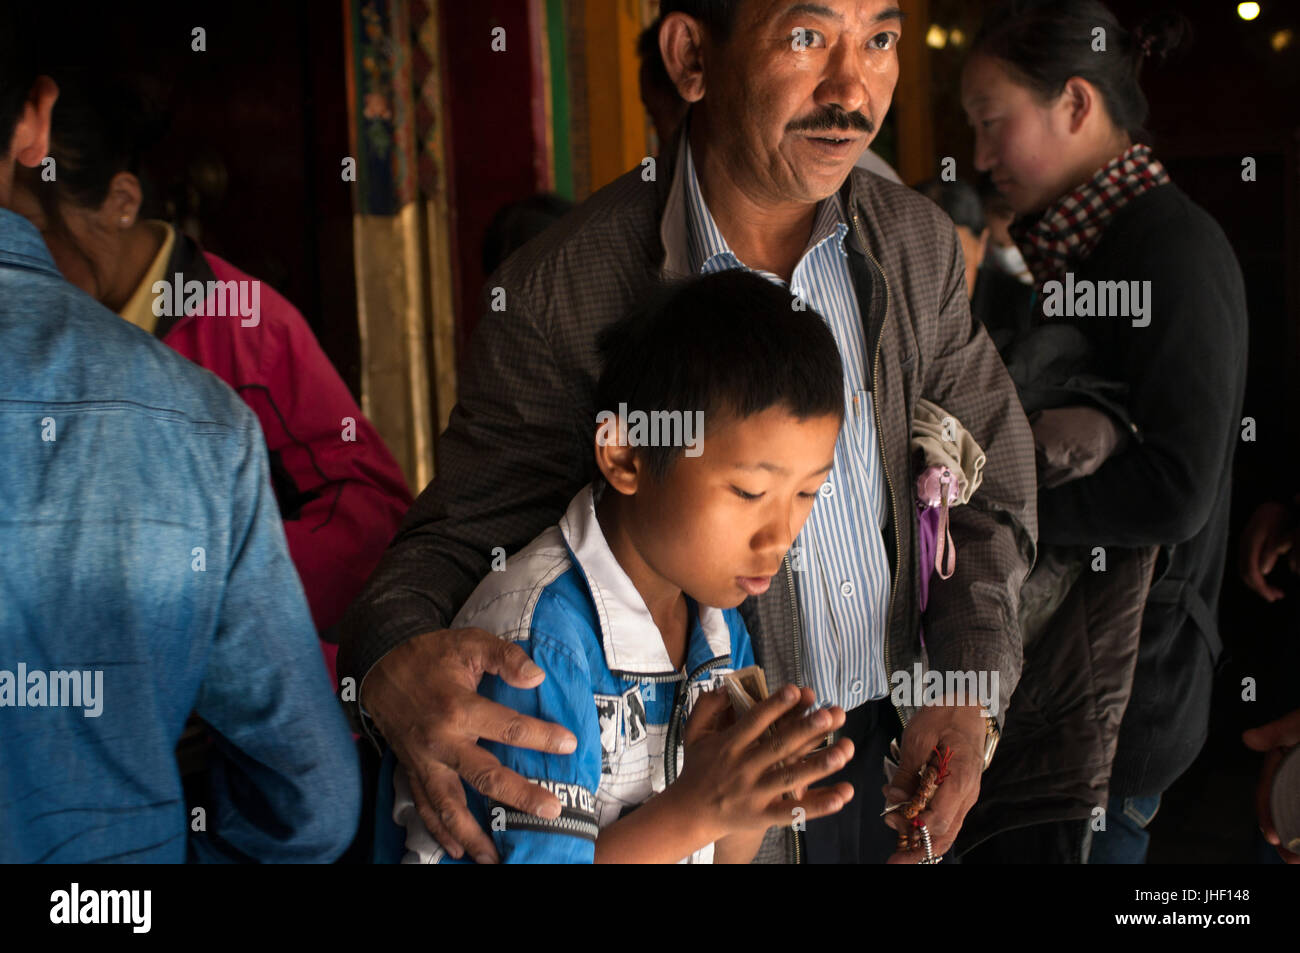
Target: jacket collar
[[673, 223], [21, 244], [629, 636]]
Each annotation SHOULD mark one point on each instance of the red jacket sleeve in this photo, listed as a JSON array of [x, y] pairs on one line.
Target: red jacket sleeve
[[341, 493]]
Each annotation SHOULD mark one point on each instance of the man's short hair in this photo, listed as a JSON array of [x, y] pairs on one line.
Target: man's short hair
[[652, 60], [959, 200], [19, 65], [730, 344], [719, 16]]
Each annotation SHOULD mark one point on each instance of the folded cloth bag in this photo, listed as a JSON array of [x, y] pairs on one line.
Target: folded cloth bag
[[950, 467]]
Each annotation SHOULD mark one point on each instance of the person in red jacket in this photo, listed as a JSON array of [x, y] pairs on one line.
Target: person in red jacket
[[341, 493]]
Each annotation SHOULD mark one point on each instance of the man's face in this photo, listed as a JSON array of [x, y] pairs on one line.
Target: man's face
[[791, 78], [719, 524]]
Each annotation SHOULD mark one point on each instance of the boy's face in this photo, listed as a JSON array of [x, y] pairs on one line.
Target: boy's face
[[719, 524]]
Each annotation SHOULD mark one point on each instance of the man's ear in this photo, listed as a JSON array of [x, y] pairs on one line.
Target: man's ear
[[618, 462], [681, 44], [31, 139]]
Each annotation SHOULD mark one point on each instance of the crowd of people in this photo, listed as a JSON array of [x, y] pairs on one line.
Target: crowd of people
[[910, 459]]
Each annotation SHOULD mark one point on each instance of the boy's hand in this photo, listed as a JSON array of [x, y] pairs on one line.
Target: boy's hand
[[737, 773]]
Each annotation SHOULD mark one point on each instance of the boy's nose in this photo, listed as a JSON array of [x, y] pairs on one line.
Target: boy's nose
[[775, 539]]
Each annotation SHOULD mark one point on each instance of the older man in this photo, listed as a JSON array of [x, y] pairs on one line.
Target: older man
[[785, 98]]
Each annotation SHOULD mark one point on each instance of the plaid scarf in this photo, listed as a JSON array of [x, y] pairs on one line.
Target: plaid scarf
[[1070, 228]]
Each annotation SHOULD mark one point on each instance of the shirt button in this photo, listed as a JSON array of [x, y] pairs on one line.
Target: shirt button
[[856, 687], [826, 490], [846, 589]]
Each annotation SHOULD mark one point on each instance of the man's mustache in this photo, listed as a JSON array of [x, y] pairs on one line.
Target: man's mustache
[[834, 119]]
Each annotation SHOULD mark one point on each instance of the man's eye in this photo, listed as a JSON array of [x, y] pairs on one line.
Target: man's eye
[[884, 41], [809, 496], [802, 38], [746, 496]]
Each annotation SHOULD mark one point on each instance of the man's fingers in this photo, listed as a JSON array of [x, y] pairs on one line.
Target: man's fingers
[[440, 799], [1259, 565], [496, 782], [493, 655], [1282, 733], [434, 823], [1263, 795], [486, 719]]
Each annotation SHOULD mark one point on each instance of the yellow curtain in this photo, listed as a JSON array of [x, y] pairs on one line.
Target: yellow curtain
[[401, 225]]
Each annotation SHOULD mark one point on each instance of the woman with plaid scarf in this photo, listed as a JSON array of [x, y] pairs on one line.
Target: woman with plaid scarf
[[1052, 90]]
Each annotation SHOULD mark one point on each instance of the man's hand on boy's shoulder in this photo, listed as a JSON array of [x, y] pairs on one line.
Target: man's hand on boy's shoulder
[[423, 696]]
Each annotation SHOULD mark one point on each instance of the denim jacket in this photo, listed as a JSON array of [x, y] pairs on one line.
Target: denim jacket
[[144, 575]]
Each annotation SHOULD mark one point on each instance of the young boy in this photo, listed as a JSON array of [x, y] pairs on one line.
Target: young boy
[[720, 405]]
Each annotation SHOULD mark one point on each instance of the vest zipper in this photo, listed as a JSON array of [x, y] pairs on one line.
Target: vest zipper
[[880, 435], [672, 740], [798, 672], [572, 825]]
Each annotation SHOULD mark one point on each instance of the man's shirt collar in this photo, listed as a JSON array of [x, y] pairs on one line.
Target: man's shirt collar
[[707, 249], [690, 237]]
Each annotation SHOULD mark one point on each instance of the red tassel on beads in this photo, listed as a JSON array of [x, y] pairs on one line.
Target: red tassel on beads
[[932, 775]]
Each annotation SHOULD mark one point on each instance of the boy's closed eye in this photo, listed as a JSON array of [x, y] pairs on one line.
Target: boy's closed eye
[[750, 497]]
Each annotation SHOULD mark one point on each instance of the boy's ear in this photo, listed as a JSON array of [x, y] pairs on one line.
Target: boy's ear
[[617, 461]]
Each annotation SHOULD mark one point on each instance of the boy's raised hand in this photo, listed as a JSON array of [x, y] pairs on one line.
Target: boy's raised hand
[[737, 773]]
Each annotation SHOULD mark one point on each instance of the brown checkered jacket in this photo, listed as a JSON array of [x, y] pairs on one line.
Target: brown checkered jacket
[[519, 443]]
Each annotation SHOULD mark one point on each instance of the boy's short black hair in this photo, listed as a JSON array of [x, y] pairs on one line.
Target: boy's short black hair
[[19, 65], [652, 60], [727, 344]]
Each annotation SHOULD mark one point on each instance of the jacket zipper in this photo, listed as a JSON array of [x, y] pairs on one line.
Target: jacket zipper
[[672, 741], [880, 435], [570, 825], [798, 672]]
